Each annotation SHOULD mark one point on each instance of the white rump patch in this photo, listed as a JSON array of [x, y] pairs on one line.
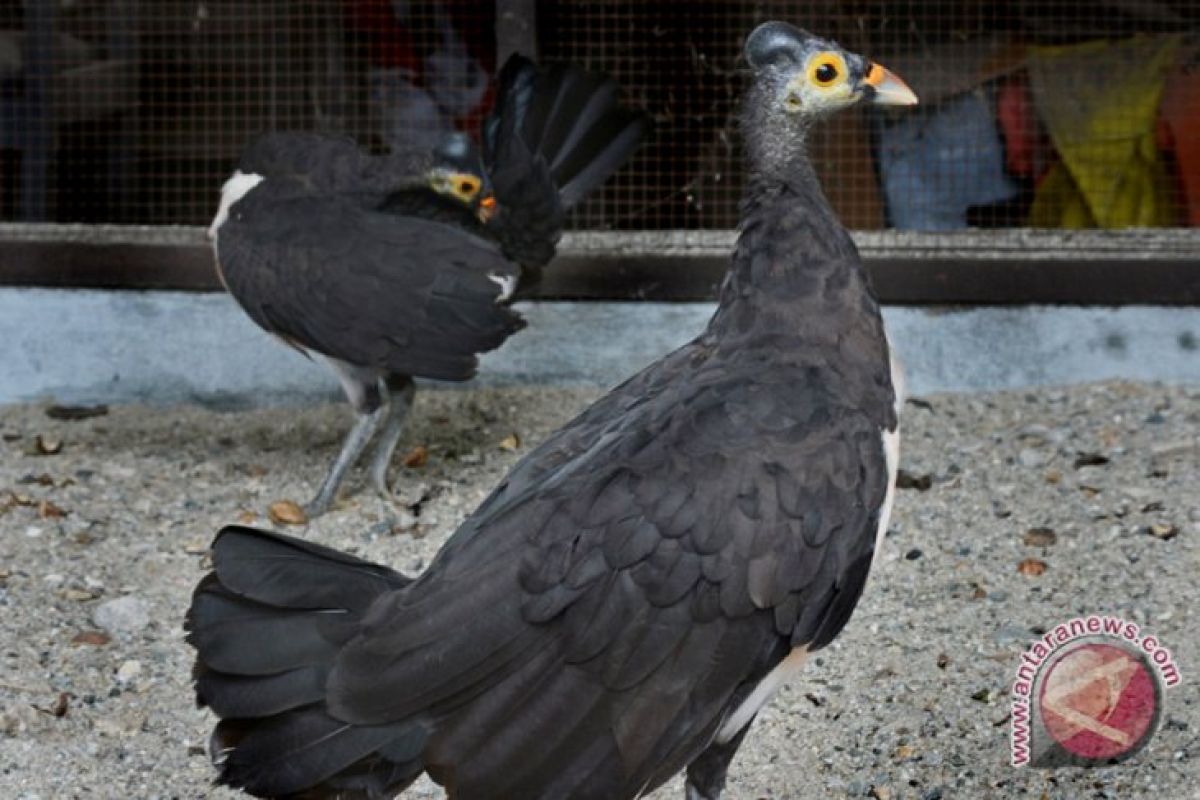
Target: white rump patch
[[507, 284], [234, 189], [783, 673], [891, 452]]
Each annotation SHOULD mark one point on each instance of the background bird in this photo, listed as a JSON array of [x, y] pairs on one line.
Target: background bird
[[403, 266], [633, 592]]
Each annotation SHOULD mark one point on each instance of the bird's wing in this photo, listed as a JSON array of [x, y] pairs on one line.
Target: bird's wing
[[620, 601], [407, 295]]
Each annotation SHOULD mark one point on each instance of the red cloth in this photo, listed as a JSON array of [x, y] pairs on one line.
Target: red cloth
[[389, 44], [1027, 153], [1179, 131], [393, 44]]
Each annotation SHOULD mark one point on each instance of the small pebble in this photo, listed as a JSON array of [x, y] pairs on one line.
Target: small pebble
[[1031, 458], [129, 671], [127, 614]]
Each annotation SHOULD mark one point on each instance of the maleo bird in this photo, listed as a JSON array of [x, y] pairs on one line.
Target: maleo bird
[[633, 592], [403, 266]]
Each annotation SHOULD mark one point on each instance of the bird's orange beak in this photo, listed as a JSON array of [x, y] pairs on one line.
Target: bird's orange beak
[[889, 89], [487, 208]]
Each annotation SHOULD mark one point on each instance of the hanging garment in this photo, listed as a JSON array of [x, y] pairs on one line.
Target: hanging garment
[[1180, 124], [1099, 101], [938, 162]]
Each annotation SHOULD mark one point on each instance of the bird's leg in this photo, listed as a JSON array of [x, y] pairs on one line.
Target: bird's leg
[[706, 774], [402, 389], [363, 390], [352, 447]]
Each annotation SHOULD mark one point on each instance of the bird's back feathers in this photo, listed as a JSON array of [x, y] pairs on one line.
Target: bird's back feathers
[[332, 164], [406, 295]]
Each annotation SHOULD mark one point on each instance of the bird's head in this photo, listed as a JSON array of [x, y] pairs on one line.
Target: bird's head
[[457, 172], [799, 77]]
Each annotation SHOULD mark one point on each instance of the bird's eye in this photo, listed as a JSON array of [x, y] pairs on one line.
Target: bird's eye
[[826, 70], [468, 187]]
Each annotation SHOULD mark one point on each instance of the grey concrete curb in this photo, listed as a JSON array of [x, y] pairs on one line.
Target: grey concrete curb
[[78, 346]]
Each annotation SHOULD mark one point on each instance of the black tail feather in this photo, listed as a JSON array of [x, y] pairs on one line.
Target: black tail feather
[[514, 92], [570, 118], [556, 134], [267, 625], [221, 623], [597, 105], [561, 95], [292, 752], [278, 570], [600, 152], [257, 696]]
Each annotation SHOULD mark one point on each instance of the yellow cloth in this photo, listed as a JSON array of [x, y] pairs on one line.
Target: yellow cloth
[[1099, 101]]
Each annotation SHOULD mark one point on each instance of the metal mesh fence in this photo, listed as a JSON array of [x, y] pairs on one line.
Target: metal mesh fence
[[1050, 113]]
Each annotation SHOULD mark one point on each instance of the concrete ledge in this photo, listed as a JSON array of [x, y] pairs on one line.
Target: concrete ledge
[[1173, 244], [84, 346]]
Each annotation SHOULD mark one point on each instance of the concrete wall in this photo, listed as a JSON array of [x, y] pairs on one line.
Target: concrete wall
[[79, 346]]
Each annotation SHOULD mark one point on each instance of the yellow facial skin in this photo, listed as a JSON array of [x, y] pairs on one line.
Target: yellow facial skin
[[467, 189], [823, 85], [463, 186]]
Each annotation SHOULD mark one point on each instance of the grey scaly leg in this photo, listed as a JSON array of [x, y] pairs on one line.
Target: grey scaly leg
[[362, 388], [402, 389], [356, 441]]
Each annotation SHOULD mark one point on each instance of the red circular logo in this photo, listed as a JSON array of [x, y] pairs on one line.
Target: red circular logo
[[1099, 701]]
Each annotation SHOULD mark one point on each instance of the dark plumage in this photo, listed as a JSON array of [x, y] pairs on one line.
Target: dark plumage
[[402, 266], [628, 597]]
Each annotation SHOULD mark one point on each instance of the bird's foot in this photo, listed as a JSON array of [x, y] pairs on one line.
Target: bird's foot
[[377, 478], [319, 505], [405, 496]]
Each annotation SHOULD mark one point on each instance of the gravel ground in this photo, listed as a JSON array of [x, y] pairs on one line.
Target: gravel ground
[[102, 541]]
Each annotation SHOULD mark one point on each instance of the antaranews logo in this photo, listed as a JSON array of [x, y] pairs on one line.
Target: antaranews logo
[[1089, 693]]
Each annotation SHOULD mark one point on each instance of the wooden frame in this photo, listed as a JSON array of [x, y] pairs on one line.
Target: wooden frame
[[1007, 267]]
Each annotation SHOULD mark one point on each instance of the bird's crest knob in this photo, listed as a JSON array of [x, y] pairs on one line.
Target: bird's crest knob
[[771, 42]]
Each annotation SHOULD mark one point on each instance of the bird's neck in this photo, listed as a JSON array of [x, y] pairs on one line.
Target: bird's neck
[[795, 271]]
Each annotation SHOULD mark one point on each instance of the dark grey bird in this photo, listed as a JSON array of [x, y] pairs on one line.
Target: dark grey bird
[[633, 592], [403, 266]]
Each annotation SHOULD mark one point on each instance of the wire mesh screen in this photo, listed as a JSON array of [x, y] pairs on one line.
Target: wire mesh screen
[[1045, 113]]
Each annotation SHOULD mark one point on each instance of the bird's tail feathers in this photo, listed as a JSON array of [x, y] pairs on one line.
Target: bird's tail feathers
[[569, 119], [599, 152], [267, 624]]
